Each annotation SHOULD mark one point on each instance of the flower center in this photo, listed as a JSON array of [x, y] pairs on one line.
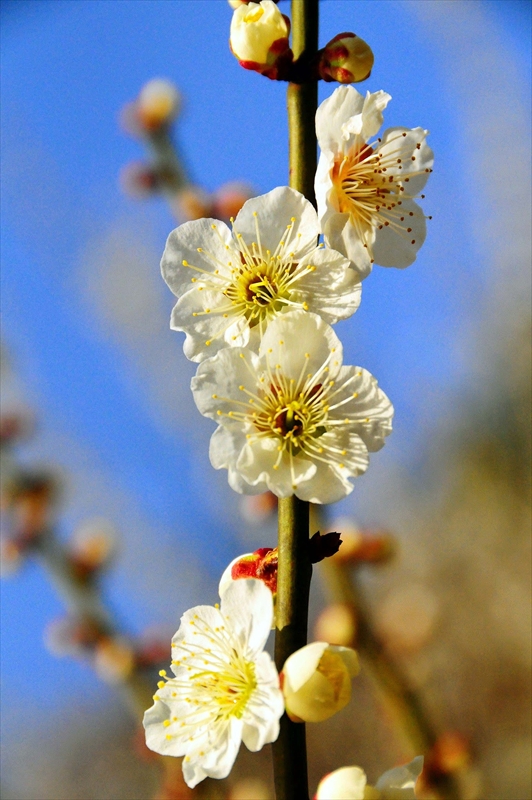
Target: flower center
[[369, 186], [292, 419], [230, 689], [259, 287]]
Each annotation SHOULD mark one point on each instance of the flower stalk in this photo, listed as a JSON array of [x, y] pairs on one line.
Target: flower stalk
[[295, 569]]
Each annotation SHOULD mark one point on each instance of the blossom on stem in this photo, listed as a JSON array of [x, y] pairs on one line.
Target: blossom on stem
[[346, 58], [292, 418], [225, 688], [350, 783], [316, 681], [261, 564], [259, 37], [231, 284], [365, 188]]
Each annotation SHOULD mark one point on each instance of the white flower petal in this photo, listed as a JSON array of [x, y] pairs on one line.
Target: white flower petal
[[272, 213], [346, 783], [367, 124], [399, 783], [333, 290], [344, 103], [277, 346], [182, 245], [340, 234], [370, 410], [206, 331], [409, 145], [330, 482], [397, 245], [248, 605], [220, 378], [257, 462], [301, 665]]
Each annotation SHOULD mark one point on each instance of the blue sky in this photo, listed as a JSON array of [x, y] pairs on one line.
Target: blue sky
[[108, 380]]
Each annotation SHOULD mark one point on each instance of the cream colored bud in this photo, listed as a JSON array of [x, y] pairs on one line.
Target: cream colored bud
[[347, 59], [254, 29], [317, 681], [158, 103]]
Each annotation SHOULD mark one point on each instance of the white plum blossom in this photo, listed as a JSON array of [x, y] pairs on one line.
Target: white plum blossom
[[292, 419], [231, 284], [365, 187], [225, 688], [350, 783]]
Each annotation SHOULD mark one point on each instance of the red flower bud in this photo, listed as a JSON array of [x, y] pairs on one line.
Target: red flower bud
[[346, 59]]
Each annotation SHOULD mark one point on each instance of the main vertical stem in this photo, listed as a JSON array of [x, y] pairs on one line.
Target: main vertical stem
[[295, 569]]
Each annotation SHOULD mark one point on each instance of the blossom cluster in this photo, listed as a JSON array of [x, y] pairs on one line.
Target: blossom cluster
[[257, 299]]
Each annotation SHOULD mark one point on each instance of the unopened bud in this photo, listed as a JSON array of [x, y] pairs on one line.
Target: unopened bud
[[114, 660], [262, 565], [192, 202], [316, 681], [346, 59], [92, 546], [363, 546], [325, 546], [226, 203], [259, 37], [138, 180], [257, 508], [14, 426], [29, 498], [337, 624], [11, 556], [157, 104], [69, 636]]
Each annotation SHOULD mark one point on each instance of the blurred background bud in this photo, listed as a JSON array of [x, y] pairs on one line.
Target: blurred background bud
[[346, 59], [247, 788], [92, 546], [406, 618], [156, 107], [363, 545], [11, 556], [27, 502], [229, 199], [191, 202], [337, 624], [259, 37], [68, 636], [114, 659], [157, 104], [14, 426], [153, 648], [139, 180], [257, 508]]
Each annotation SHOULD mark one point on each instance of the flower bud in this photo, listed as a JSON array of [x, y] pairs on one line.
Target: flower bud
[[114, 659], [346, 59], [258, 508], [259, 37], [91, 547], [190, 203], [226, 203], [157, 104], [350, 783], [337, 624], [139, 180], [316, 681], [262, 565]]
